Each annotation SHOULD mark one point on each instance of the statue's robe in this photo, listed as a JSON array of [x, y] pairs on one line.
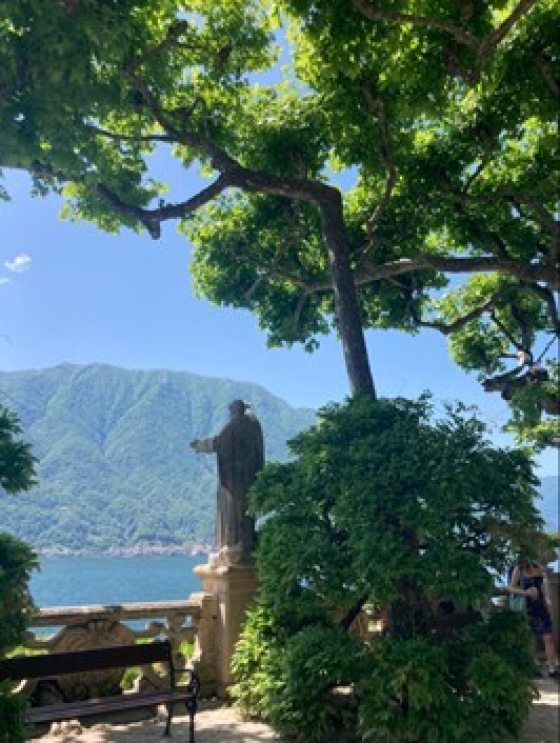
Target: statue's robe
[[240, 453]]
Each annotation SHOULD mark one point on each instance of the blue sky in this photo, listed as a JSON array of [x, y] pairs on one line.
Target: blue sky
[[71, 293]]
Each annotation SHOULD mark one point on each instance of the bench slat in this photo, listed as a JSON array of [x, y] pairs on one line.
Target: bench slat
[[91, 707], [81, 661]]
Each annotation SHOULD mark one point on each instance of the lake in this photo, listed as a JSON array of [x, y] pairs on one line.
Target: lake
[[78, 580]]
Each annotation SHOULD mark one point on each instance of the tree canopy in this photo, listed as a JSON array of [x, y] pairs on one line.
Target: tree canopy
[[442, 117]]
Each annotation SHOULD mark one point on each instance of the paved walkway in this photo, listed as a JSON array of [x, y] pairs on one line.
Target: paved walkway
[[221, 725]]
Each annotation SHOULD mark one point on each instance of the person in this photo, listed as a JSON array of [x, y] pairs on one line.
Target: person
[[527, 579], [240, 455]]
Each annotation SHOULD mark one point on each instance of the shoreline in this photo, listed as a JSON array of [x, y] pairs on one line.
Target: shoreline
[[140, 550]]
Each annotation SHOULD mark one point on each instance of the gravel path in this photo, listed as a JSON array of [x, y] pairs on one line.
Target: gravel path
[[214, 725], [543, 725], [221, 725]]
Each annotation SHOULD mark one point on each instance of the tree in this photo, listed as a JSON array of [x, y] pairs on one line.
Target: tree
[[386, 507], [17, 560], [17, 463], [444, 115]]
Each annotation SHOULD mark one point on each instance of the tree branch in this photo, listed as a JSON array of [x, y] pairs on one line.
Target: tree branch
[[128, 137], [503, 329], [542, 216], [547, 71], [375, 13], [532, 272], [377, 106], [299, 309], [221, 161], [452, 327], [489, 44], [301, 189], [483, 48], [548, 298], [152, 218]]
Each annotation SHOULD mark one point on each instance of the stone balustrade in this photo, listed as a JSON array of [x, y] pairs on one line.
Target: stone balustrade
[[101, 625], [66, 628]]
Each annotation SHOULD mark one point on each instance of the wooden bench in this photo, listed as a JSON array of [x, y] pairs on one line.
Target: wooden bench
[[81, 661]]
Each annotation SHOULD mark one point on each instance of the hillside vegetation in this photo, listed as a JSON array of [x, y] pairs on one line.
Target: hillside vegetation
[[115, 470]]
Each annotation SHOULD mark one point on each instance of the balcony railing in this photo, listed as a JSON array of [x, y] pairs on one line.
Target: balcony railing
[[65, 628]]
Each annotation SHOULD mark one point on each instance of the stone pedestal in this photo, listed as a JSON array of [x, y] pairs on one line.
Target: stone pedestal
[[233, 588]]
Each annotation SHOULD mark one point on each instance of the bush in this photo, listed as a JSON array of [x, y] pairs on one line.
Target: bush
[[469, 688], [286, 679], [17, 560], [384, 505], [12, 716]]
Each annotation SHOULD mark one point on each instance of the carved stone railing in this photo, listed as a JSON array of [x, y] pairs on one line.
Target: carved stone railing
[[67, 628]]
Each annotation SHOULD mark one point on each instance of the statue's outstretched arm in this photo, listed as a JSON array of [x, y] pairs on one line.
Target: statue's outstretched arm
[[204, 446]]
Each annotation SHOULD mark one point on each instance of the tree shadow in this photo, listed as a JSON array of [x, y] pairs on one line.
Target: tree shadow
[[218, 725]]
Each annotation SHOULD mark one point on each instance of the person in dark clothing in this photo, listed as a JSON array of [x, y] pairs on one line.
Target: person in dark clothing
[[528, 580]]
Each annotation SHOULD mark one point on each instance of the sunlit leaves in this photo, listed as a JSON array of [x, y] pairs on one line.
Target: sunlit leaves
[[443, 119]]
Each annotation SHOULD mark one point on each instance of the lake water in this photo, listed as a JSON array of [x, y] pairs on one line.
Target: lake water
[[78, 580]]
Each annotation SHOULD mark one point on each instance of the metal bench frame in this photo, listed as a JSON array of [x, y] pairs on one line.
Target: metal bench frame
[[122, 656]]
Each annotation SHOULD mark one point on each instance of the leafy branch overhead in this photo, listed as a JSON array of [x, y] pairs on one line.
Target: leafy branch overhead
[[440, 118]]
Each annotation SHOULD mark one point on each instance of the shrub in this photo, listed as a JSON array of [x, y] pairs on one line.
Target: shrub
[[17, 560], [384, 505]]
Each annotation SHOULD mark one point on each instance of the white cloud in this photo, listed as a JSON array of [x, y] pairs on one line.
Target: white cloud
[[19, 264], [4, 280]]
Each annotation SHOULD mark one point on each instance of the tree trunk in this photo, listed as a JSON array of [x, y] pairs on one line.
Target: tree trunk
[[348, 311]]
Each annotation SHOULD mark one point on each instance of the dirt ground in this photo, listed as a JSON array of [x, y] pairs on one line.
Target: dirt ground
[[221, 725]]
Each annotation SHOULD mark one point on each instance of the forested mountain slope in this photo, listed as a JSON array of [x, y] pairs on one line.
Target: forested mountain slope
[[115, 467]]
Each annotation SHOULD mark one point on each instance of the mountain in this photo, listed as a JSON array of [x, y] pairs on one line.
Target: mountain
[[115, 470]]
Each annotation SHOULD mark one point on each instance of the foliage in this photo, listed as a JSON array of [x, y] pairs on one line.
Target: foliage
[[115, 468], [17, 473], [474, 687], [12, 716], [528, 403], [17, 464], [283, 677], [16, 563], [441, 115], [130, 676], [386, 506]]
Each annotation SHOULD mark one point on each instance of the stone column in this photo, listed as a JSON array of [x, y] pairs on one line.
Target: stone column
[[204, 655], [234, 588], [554, 588]]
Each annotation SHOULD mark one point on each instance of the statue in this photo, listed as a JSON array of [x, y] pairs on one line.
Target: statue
[[240, 453]]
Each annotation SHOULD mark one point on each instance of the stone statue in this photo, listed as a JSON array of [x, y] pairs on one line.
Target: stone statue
[[240, 453]]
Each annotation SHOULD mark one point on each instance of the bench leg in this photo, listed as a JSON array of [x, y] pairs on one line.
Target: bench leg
[[191, 704], [191, 727], [167, 731]]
